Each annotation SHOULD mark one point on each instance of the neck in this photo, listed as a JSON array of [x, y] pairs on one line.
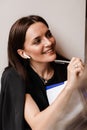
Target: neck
[[44, 70]]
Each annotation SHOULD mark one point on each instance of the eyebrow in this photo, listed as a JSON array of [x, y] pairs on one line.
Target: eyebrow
[[40, 36], [36, 37]]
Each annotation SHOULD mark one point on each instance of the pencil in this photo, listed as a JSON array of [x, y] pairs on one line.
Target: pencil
[[62, 61]]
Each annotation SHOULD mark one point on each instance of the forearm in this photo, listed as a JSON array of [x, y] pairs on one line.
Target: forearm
[[47, 119]]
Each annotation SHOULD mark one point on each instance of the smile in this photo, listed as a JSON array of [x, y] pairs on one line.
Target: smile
[[49, 51]]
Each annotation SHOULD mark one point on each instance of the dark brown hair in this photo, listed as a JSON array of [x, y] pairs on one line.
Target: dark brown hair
[[16, 41]]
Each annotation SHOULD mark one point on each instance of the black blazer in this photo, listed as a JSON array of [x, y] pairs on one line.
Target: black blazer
[[12, 101]]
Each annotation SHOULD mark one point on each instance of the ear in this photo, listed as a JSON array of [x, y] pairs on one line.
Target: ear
[[26, 56], [21, 53]]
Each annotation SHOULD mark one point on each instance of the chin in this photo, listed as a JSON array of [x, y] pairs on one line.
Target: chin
[[52, 58]]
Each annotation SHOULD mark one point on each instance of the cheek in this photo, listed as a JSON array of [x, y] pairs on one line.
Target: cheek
[[54, 41], [35, 51]]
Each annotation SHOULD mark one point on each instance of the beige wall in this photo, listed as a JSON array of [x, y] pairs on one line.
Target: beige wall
[[65, 17]]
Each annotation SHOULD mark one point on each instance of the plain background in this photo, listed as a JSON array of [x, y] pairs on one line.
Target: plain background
[[66, 19]]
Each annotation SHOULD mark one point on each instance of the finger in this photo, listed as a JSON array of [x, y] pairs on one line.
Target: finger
[[76, 60], [79, 65]]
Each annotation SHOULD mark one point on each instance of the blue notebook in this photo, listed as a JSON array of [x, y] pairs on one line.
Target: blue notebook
[[54, 90]]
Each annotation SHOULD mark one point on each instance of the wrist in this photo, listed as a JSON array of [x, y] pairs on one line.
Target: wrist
[[69, 87]]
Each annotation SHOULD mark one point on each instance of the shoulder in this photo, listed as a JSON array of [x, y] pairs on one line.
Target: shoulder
[[9, 71], [11, 79], [10, 74]]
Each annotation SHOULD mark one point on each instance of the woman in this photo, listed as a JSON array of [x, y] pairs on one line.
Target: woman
[[31, 67]]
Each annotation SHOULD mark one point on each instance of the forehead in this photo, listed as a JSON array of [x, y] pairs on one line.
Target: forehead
[[35, 30]]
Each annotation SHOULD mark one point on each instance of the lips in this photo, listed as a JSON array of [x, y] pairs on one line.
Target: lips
[[51, 50]]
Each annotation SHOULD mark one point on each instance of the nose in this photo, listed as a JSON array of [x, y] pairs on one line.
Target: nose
[[47, 42]]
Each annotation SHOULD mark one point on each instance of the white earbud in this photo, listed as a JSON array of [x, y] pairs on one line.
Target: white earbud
[[26, 56]]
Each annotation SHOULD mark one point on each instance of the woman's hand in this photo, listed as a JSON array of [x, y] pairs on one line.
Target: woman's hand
[[77, 73]]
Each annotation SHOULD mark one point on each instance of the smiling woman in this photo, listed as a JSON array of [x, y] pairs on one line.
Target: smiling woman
[[31, 67], [39, 44]]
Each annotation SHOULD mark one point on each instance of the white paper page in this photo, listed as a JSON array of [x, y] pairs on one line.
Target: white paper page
[[74, 107]]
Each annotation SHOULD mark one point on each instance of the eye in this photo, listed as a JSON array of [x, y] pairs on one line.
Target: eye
[[37, 40], [49, 34]]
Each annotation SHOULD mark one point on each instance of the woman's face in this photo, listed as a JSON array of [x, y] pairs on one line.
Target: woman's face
[[39, 43]]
